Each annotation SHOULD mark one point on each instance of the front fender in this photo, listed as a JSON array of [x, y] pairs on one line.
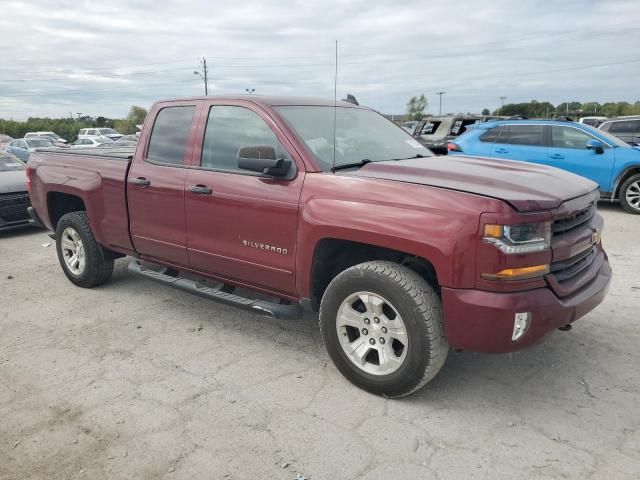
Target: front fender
[[435, 224]]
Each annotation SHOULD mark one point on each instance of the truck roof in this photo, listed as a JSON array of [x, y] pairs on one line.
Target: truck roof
[[270, 100]]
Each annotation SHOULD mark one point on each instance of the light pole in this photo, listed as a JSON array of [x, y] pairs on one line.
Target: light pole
[[502, 99], [78, 113], [250, 90], [203, 75], [440, 107]]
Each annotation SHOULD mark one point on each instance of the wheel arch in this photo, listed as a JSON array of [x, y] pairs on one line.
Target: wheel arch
[[334, 255], [61, 203], [626, 173]]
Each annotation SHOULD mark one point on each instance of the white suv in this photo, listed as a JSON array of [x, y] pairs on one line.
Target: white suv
[[99, 133]]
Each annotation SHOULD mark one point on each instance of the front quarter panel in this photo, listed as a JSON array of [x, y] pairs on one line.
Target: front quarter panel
[[436, 224]]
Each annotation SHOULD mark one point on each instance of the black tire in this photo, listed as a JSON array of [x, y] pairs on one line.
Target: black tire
[[419, 307], [98, 267], [629, 183]]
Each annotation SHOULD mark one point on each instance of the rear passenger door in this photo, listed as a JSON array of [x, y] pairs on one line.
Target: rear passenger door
[[156, 187], [520, 142], [242, 225]]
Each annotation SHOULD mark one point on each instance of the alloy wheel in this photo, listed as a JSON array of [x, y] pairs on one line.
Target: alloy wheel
[[372, 333], [73, 251]]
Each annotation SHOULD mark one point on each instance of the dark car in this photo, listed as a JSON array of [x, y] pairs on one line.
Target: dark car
[[436, 132], [14, 199], [626, 129]]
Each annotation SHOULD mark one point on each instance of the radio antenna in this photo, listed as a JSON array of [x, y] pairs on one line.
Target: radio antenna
[[335, 107]]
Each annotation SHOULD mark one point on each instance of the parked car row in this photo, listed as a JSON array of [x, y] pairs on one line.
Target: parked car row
[[575, 147]]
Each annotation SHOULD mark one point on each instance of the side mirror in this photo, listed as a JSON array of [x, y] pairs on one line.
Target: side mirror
[[262, 159], [596, 146]]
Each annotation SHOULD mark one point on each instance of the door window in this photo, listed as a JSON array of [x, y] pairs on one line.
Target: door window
[[566, 137], [169, 135], [525, 135], [493, 134], [622, 127], [429, 127], [228, 129]]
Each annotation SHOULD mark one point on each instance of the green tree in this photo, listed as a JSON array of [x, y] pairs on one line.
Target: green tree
[[416, 107], [137, 115], [486, 112]]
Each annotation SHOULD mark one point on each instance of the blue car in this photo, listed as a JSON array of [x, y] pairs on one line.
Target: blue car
[[613, 164]]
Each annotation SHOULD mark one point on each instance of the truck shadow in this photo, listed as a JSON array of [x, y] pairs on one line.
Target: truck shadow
[[26, 231], [551, 370]]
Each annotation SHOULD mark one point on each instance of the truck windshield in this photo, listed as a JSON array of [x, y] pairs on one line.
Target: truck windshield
[[359, 134], [107, 131]]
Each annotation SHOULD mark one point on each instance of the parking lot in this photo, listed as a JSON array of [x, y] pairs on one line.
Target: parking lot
[[134, 380]]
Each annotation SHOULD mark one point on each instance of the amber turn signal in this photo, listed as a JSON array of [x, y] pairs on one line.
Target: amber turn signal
[[522, 273]]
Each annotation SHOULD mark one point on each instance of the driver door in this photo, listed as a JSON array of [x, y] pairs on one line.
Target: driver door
[[567, 150], [242, 225]]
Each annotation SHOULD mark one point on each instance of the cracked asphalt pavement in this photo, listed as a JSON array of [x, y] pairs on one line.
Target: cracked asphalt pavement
[[135, 380]]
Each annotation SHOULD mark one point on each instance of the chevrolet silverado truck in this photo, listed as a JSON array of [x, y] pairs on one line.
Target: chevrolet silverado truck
[[278, 205]]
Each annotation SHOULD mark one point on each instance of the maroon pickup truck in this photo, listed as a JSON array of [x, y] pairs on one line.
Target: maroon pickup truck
[[279, 204]]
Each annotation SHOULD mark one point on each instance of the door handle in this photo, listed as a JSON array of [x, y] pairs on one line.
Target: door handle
[[556, 156], [501, 150], [141, 182], [200, 190]]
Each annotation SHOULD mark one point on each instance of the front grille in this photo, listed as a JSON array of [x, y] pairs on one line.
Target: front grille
[[13, 207], [568, 224], [569, 268]]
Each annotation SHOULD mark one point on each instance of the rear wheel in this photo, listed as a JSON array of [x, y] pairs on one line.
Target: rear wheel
[[81, 257], [630, 194], [382, 326]]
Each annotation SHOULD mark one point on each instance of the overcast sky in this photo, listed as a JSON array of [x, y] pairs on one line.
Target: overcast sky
[[100, 57]]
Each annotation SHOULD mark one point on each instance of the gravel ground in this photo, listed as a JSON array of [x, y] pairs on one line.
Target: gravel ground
[[135, 380]]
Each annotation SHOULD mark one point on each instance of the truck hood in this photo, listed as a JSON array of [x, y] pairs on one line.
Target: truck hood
[[525, 186], [13, 181]]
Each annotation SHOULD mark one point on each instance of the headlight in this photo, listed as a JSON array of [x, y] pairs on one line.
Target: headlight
[[524, 238]]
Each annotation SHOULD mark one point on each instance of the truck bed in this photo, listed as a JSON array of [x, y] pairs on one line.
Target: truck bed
[[98, 177]]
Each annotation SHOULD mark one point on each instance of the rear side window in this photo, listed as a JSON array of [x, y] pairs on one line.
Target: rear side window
[[228, 129], [460, 126], [429, 128], [169, 135], [525, 135], [493, 134]]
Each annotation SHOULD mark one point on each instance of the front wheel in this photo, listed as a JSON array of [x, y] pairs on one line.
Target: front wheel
[[382, 326], [630, 194], [81, 257]]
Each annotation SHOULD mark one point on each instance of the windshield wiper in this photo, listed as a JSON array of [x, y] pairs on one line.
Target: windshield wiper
[[417, 155], [359, 164]]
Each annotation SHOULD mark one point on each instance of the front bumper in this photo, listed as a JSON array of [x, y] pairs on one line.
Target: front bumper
[[481, 321], [13, 211]]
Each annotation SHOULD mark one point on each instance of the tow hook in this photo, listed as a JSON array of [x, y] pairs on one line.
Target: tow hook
[[565, 328]]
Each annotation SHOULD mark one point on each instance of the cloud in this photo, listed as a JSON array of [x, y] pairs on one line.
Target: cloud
[[101, 57]]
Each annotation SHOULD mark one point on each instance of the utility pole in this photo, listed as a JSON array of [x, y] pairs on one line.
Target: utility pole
[[203, 75], [440, 107], [502, 99]]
